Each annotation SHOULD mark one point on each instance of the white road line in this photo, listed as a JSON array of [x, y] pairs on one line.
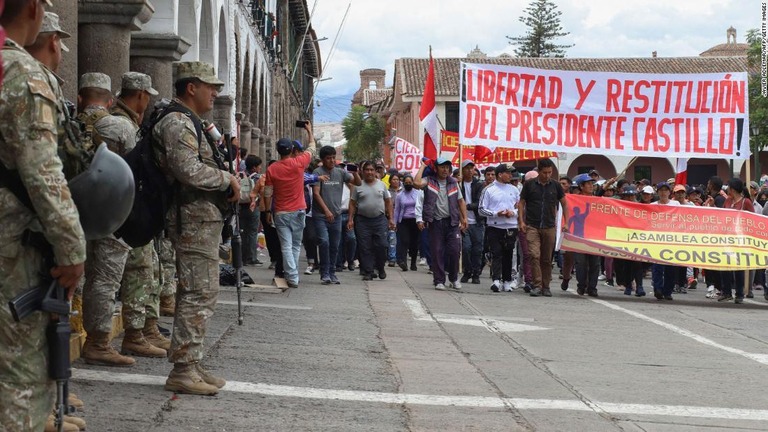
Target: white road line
[[440, 400], [760, 358], [492, 325], [264, 305]]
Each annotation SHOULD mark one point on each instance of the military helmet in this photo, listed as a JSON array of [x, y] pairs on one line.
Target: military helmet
[[103, 194]]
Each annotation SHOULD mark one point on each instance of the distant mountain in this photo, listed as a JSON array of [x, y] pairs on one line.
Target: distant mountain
[[332, 109]]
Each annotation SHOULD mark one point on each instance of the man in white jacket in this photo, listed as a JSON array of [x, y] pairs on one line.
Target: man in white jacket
[[498, 204]]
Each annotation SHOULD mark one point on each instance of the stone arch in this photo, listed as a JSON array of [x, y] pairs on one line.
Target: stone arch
[[240, 68], [205, 39], [587, 162], [222, 68], [188, 23], [245, 85]]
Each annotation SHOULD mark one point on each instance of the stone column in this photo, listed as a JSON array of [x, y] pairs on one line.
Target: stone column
[[67, 11], [154, 54], [222, 113], [257, 148], [104, 34], [245, 135]]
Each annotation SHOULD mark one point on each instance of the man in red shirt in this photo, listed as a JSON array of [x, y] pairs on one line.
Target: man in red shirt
[[284, 195]]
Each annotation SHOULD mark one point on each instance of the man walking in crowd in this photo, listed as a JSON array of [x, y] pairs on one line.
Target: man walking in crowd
[[249, 210], [326, 211], [663, 276], [347, 241], [28, 148], [538, 210], [370, 213], [587, 266], [194, 222], [473, 236], [499, 205], [285, 185], [445, 214]]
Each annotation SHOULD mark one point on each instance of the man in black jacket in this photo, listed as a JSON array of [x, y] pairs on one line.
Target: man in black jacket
[[472, 238]]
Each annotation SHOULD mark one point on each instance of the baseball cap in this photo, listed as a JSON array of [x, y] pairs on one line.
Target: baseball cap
[[284, 146], [679, 187], [297, 145], [647, 190], [442, 161], [531, 175], [138, 81], [196, 69], [694, 190], [51, 25], [502, 168], [753, 184], [466, 162], [581, 179], [95, 80], [594, 172], [516, 174], [628, 189], [663, 185]]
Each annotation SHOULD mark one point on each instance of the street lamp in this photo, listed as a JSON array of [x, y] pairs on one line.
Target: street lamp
[[755, 131]]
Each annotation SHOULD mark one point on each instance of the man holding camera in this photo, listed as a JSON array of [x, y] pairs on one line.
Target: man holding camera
[[194, 222], [326, 210], [285, 186]]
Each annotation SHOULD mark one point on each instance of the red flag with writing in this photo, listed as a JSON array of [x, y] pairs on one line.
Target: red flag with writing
[[428, 114]]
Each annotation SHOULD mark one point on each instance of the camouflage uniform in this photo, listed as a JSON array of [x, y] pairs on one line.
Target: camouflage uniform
[[197, 206], [168, 264], [29, 112]]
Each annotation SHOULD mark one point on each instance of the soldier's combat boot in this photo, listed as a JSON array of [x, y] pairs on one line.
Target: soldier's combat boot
[[184, 378], [50, 425], [167, 306], [209, 378], [98, 351], [135, 344], [153, 335]]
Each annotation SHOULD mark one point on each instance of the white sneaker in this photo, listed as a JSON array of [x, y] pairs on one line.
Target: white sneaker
[[309, 270], [449, 285], [601, 277], [423, 262], [710, 292], [507, 286], [440, 287], [514, 284], [496, 286], [454, 285]]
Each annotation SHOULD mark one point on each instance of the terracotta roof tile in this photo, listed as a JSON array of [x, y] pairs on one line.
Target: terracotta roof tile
[[727, 50], [413, 71]]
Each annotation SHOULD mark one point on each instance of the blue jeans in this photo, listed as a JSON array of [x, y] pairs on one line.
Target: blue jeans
[[472, 250], [328, 234], [347, 243], [392, 247], [290, 230]]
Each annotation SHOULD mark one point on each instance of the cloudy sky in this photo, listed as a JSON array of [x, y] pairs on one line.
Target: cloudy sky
[[378, 32]]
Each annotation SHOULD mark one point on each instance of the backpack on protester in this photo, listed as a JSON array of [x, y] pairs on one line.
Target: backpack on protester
[[154, 193]]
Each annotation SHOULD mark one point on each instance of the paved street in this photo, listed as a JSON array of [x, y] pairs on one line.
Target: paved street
[[397, 355]]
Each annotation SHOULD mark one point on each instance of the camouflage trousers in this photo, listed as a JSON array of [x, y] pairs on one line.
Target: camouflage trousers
[[168, 264], [140, 287], [26, 393], [103, 272], [197, 265]]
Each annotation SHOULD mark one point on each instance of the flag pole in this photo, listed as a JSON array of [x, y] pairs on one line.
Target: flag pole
[[747, 282]]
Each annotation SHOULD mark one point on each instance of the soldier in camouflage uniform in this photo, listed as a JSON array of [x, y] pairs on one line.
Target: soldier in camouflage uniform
[[138, 287], [194, 223], [107, 256], [48, 45], [168, 274], [28, 146]]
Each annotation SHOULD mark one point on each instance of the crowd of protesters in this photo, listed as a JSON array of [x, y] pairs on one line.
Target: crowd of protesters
[[456, 221]]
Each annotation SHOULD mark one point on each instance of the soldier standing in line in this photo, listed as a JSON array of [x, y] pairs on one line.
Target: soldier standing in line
[[139, 289], [194, 222], [28, 149], [167, 258], [107, 256]]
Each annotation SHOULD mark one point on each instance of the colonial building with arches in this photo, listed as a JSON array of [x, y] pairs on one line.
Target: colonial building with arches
[[265, 51]]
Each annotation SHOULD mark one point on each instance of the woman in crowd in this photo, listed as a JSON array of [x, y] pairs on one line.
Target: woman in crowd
[[394, 188], [407, 230]]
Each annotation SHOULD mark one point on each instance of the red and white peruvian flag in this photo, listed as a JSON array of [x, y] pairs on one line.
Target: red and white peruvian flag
[[483, 152], [681, 171], [428, 114]]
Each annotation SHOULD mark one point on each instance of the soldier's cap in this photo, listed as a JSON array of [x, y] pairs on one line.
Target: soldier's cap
[[137, 81], [95, 80], [200, 70], [51, 25]]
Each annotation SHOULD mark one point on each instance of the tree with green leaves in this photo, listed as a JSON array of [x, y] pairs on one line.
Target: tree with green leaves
[[758, 105], [543, 22], [364, 134]]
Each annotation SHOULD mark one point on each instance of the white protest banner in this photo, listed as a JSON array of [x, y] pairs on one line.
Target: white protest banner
[[407, 156], [626, 114]]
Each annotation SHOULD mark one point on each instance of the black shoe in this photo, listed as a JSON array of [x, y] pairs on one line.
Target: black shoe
[[657, 294], [476, 280], [546, 292], [351, 266], [592, 292], [413, 266], [535, 292], [564, 285], [528, 288], [382, 274], [750, 295], [495, 288], [339, 268], [403, 266], [367, 277], [465, 278], [391, 264], [668, 297], [579, 290]]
